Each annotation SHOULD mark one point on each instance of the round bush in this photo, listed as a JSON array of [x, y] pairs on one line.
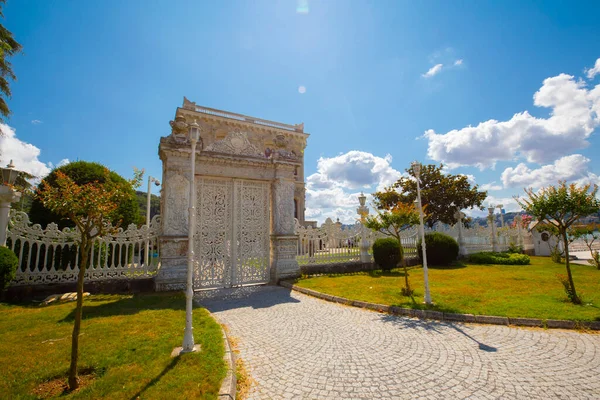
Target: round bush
[[441, 249], [387, 253], [8, 266]]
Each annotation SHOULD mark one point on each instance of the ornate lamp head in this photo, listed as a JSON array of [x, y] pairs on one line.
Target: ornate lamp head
[[416, 167], [194, 131], [9, 174], [362, 199]]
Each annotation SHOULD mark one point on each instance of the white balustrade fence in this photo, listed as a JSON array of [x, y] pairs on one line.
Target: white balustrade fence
[[333, 243], [329, 244], [52, 256]]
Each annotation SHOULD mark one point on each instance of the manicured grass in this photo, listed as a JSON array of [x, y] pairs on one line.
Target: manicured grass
[[505, 290], [126, 339]]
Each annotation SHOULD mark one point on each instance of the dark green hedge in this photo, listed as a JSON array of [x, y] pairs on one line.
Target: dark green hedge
[[488, 257], [387, 253], [441, 249], [8, 266]]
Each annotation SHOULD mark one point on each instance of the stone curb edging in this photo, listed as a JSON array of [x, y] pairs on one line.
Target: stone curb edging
[[229, 386], [450, 317]]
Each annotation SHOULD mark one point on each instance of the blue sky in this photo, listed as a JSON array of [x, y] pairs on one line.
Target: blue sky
[[387, 82]]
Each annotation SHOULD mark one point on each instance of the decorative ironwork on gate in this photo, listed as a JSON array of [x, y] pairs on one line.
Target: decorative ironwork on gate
[[52, 255], [232, 239]]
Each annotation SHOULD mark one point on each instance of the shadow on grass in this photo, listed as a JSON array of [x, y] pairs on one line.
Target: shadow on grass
[[454, 265], [128, 305], [154, 381], [433, 326]]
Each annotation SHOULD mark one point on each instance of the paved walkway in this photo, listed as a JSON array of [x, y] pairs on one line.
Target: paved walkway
[[299, 347]]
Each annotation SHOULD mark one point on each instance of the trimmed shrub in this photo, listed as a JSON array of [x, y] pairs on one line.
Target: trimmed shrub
[[387, 253], [488, 257], [441, 249], [8, 266]]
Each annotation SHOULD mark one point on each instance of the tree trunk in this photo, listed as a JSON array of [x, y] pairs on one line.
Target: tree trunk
[[73, 379], [403, 264], [575, 298]]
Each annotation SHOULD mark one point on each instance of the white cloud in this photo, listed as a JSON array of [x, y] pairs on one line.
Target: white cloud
[[490, 186], [61, 163], [574, 115], [353, 170], [509, 204], [433, 71], [573, 168], [36, 122], [24, 155], [470, 178], [458, 62], [332, 192], [595, 70]]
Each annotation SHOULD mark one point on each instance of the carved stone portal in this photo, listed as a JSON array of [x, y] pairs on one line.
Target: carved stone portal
[[247, 177]]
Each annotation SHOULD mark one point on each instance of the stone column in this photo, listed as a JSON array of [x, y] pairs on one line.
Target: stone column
[[493, 229], [284, 243], [7, 196], [519, 221], [363, 211], [462, 249]]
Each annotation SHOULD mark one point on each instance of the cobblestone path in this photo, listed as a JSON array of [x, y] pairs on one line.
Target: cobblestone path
[[299, 347]]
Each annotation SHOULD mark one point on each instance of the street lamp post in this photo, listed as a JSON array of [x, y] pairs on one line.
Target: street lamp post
[[149, 195], [188, 337], [7, 195], [462, 250], [493, 226], [416, 167], [363, 211]]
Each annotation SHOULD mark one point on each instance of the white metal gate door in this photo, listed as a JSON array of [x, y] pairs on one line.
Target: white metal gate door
[[232, 236]]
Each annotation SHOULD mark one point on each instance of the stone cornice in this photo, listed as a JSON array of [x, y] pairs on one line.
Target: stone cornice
[[218, 158], [235, 123]]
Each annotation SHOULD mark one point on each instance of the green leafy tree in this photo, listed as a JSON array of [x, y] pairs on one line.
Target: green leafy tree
[[90, 206], [391, 223], [8, 48], [84, 172], [154, 205], [441, 193], [561, 206]]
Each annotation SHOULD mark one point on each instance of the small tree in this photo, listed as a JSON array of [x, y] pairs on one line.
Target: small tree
[[392, 223], [441, 193], [90, 207], [560, 207]]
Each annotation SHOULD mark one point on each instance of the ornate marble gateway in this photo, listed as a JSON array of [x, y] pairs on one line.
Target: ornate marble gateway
[[249, 187]]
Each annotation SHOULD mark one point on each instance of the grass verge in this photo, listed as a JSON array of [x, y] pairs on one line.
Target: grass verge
[[126, 341], [528, 291]]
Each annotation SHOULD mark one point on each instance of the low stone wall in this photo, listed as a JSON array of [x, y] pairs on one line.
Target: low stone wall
[[444, 316], [117, 286]]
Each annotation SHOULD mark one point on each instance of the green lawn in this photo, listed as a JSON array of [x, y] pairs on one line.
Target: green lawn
[[127, 340], [504, 290]]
